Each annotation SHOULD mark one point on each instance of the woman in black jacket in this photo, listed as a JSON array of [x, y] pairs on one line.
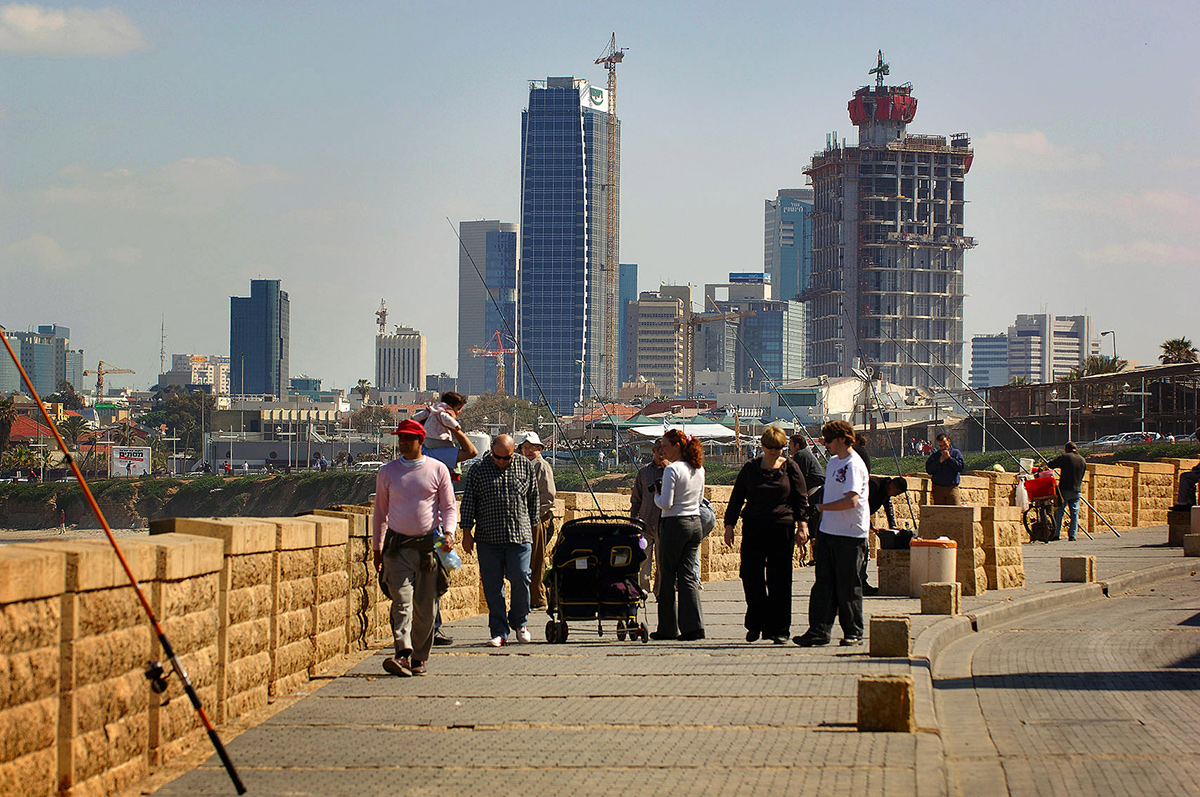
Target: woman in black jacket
[[770, 496]]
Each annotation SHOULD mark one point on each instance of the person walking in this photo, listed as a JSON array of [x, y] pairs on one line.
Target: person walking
[[543, 529], [413, 500], [945, 465], [771, 497], [1071, 467], [841, 544], [679, 539], [642, 506], [499, 509]]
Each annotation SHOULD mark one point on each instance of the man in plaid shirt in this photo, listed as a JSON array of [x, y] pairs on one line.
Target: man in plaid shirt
[[499, 510]]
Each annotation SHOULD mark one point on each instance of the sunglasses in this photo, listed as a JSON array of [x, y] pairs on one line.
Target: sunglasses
[[773, 448], [497, 456]]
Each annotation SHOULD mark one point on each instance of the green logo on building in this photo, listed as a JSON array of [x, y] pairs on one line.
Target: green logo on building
[[597, 96]]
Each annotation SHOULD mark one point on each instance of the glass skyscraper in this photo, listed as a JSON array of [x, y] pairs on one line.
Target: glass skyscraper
[[787, 254], [259, 340], [627, 291], [563, 287], [500, 271]]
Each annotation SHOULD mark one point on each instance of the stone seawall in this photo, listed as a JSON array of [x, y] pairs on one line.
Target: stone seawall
[[257, 606]]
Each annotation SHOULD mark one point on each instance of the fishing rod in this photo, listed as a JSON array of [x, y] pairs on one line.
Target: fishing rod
[[629, 452], [1023, 439], [154, 671], [521, 353], [774, 387]]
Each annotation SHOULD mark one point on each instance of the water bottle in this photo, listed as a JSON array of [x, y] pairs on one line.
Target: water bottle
[[450, 559]]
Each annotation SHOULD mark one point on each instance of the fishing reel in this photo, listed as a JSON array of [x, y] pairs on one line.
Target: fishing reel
[[157, 676]]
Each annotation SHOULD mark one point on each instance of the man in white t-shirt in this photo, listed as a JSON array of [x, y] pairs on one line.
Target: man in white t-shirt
[[841, 547]]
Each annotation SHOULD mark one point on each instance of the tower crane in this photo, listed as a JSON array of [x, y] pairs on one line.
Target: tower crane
[[496, 349], [102, 369], [381, 317], [609, 60]]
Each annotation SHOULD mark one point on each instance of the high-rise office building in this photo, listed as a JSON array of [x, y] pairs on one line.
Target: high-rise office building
[[198, 369], [989, 361], [787, 238], [627, 291], [490, 246], [400, 360], [259, 340], [564, 280], [767, 347], [1043, 348], [46, 356], [888, 244], [657, 320]]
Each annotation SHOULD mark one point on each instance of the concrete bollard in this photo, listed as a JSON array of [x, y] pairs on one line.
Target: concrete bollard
[[1191, 545], [1179, 525], [1077, 568], [885, 703], [890, 636], [941, 597]]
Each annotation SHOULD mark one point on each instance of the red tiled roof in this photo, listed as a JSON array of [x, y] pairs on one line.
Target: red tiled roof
[[25, 429]]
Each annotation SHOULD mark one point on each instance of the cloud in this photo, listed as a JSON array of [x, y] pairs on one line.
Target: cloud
[[1032, 151], [1163, 206], [124, 255], [1142, 253], [189, 185], [31, 29], [41, 252]]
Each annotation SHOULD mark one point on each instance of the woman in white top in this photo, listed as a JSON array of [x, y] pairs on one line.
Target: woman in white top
[[679, 536]]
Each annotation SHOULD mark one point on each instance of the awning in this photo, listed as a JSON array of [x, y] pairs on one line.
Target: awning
[[701, 431]]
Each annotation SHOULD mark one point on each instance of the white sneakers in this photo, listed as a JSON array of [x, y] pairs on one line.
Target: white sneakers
[[522, 636]]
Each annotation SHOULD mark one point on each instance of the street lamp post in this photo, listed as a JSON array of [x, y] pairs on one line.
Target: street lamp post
[[1112, 332], [1143, 393], [173, 438], [1069, 401]]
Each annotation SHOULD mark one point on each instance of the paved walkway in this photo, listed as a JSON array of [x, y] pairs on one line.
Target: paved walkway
[[598, 715]]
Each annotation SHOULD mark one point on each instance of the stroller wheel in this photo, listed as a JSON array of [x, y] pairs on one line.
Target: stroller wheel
[[551, 632], [645, 633], [562, 631], [620, 630]]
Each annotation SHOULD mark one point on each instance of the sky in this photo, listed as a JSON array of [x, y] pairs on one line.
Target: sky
[[157, 156]]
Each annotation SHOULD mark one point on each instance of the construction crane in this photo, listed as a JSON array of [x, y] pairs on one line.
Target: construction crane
[[496, 349], [690, 325], [612, 56], [381, 317], [102, 369]]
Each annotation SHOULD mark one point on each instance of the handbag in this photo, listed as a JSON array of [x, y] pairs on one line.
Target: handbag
[[708, 518]]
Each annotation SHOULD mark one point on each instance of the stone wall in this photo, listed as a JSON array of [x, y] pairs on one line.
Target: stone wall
[[256, 607]]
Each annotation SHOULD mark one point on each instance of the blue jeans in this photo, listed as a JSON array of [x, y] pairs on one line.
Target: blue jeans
[[1070, 501], [497, 562]]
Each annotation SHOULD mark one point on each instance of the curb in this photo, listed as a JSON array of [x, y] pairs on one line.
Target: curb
[[930, 642]]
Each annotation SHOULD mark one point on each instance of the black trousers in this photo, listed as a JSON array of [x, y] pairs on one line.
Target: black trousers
[[766, 573], [837, 592], [679, 554]]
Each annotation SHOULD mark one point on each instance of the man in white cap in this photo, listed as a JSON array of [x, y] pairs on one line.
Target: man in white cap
[[532, 447]]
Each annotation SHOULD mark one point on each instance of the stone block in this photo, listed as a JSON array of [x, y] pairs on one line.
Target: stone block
[[357, 525], [885, 703], [890, 636], [1191, 545], [183, 556], [27, 573], [30, 624], [1077, 568], [292, 534], [329, 530], [718, 494], [33, 774], [893, 572], [941, 597], [1006, 577], [1179, 525], [240, 535]]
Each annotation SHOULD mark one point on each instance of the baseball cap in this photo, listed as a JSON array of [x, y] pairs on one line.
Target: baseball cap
[[410, 426]]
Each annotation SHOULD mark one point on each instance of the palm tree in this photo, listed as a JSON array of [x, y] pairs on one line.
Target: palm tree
[[17, 457], [1018, 380], [1177, 350], [8, 416], [125, 436], [363, 389], [1100, 364], [72, 429]]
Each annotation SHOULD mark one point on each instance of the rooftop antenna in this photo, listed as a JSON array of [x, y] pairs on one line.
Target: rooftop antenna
[[881, 69], [162, 351]]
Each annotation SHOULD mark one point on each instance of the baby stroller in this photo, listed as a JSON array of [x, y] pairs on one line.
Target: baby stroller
[[595, 567]]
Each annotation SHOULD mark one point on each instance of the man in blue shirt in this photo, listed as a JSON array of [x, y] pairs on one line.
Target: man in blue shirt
[[945, 465]]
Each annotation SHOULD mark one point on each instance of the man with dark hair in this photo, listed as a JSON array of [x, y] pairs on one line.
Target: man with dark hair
[[1071, 466], [880, 492], [1188, 480], [945, 465], [841, 543]]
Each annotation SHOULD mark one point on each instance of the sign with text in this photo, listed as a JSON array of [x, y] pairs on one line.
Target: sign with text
[[130, 461]]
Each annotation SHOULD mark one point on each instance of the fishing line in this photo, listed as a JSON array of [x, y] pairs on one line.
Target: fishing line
[[154, 672], [521, 352]]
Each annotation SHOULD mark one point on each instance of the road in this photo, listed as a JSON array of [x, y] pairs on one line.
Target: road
[[1102, 699]]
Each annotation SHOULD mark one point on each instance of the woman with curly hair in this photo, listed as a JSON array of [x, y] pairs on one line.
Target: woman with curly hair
[[679, 536]]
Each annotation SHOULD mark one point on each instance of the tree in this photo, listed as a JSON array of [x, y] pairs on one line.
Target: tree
[[125, 435], [363, 389], [1097, 364], [1018, 380], [189, 415], [1177, 350], [8, 416], [67, 397], [17, 457], [72, 429], [368, 419]]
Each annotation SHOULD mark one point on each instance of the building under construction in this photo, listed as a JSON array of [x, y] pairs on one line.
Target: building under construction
[[888, 244]]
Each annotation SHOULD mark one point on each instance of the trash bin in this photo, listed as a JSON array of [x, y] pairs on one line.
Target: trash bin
[[931, 561]]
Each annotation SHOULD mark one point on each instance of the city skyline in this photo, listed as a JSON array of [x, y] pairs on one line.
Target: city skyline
[[160, 157]]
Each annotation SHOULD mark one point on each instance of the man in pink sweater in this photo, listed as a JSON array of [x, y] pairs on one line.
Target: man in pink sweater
[[413, 500]]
